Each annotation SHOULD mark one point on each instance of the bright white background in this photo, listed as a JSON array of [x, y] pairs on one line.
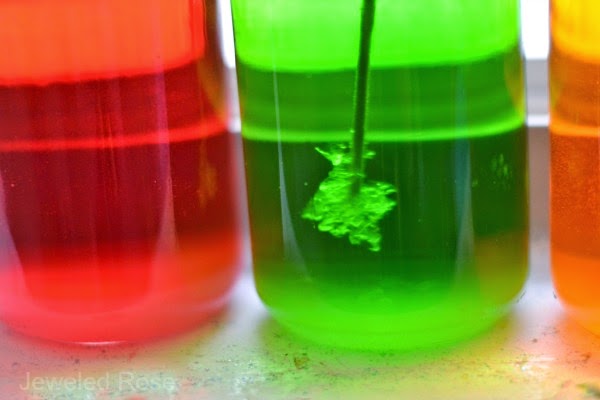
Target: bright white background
[[534, 26]]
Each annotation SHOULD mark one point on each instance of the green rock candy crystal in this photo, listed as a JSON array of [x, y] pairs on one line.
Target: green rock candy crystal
[[341, 212]]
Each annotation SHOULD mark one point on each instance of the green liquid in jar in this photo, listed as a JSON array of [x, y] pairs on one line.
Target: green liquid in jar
[[445, 124]]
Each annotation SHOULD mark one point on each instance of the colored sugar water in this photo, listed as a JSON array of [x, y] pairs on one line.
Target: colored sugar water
[[575, 158], [432, 246], [118, 209]]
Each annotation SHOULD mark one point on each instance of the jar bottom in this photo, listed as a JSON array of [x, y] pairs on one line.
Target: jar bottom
[[402, 337], [129, 299], [440, 321]]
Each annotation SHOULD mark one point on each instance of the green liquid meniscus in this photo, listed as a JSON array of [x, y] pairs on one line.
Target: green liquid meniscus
[[440, 252]]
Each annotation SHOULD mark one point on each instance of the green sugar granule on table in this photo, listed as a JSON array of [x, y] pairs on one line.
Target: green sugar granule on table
[[339, 211]]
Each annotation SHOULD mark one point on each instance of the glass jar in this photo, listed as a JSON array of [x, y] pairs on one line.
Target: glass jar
[[575, 157], [118, 200], [386, 165]]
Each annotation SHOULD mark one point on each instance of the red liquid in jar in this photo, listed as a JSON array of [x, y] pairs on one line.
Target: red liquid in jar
[[118, 209]]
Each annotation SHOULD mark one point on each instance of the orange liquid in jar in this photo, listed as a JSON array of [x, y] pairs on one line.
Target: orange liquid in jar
[[575, 155]]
